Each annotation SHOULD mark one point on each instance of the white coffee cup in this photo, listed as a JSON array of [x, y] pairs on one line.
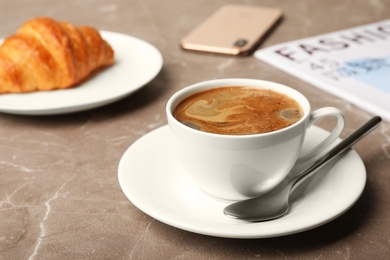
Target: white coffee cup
[[236, 167]]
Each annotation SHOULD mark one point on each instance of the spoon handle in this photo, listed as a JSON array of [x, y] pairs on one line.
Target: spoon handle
[[339, 148]]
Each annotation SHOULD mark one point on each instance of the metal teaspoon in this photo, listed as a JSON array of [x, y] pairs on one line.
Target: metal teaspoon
[[275, 203]]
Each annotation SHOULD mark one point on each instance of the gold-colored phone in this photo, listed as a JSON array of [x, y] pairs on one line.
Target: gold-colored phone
[[233, 29]]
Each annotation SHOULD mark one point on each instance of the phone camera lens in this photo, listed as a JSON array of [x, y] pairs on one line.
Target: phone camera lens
[[240, 43]]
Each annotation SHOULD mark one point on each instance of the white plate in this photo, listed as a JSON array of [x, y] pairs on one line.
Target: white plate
[[136, 63], [152, 180]]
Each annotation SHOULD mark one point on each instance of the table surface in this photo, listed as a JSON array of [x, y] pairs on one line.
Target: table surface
[[59, 192]]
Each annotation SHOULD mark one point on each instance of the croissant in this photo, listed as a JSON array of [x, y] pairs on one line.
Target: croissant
[[45, 54]]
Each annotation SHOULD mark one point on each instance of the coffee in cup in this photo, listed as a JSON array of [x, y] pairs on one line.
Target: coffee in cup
[[238, 110]]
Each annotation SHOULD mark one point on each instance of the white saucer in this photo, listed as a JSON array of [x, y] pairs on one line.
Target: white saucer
[[152, 180], [136, 63]]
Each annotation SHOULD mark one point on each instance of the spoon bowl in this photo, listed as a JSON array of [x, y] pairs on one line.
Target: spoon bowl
[[276, 203]]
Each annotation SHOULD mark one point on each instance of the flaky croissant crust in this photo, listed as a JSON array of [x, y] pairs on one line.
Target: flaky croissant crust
[[45, 54]]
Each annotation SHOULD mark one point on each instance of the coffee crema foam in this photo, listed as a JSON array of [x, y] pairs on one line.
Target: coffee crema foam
[[238, 111]]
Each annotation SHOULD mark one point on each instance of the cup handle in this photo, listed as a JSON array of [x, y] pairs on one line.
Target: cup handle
[[322, 147]]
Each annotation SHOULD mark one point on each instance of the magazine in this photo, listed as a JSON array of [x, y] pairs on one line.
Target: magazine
[[353, 64]]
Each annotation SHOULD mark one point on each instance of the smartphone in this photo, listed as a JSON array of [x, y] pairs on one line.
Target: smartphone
[[232, 29]]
